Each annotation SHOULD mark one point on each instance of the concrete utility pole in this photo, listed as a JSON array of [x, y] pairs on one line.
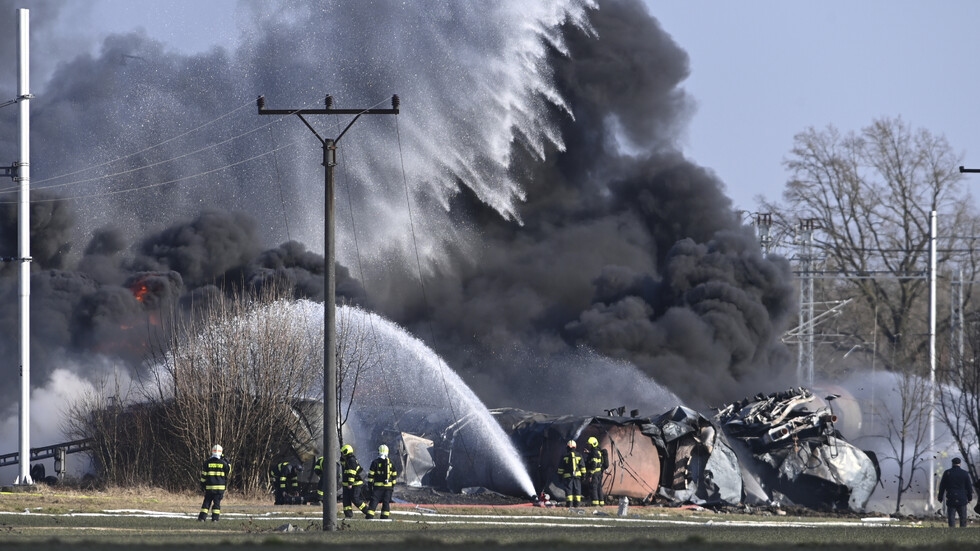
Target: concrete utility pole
[[21, 173], [331, 451], [932, 359]]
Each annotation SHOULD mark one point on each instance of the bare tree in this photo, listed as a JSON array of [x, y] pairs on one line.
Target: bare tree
[[357, 354], [232, 373], [871, 194], [959, 401], [118, 429], [906, 429]]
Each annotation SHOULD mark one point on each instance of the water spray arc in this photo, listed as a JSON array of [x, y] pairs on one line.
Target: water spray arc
[[330, 440]]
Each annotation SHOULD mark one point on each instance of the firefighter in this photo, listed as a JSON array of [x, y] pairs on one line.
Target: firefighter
[[381, 482], [596, 463], [351, 473], [284, 477], [214, 477], [318, 471], [571, 469]]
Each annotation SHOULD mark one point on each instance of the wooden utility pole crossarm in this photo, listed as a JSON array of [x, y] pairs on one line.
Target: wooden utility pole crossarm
[[331, 451]]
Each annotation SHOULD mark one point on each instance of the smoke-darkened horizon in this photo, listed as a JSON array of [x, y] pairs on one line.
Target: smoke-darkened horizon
[[554, 215]]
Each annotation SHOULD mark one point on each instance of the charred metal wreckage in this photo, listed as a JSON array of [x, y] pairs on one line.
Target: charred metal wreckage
[[771, 449], [795, 452]]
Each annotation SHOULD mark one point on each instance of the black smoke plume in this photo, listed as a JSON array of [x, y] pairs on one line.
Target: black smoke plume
[[552, 209]]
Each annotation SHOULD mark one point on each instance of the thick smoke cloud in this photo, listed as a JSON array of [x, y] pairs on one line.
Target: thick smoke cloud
[[552, 210]]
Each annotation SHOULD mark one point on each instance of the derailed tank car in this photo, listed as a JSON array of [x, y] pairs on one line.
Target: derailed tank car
[[634, 461], [681, 455]]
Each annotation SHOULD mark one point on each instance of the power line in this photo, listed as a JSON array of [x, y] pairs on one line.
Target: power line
[[158, 184], [136, 169], [158, 163], [144, 150]]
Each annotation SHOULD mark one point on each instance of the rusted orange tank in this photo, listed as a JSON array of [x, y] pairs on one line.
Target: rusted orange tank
[[634, 462]]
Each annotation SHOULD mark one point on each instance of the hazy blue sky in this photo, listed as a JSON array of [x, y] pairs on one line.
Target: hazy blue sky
[[762, 71]]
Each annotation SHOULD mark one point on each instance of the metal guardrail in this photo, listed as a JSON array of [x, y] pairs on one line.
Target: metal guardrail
[[46, 452]]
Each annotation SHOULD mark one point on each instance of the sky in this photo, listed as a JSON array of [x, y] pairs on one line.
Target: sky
[[763, 71]]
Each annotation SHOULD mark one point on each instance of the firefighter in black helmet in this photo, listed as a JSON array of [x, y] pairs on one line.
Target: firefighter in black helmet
[[571, 469]]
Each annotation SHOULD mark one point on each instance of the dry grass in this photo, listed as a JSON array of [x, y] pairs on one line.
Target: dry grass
[[90, 500], [253, 521]]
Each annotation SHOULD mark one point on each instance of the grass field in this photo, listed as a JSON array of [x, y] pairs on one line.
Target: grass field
[[148, 519]]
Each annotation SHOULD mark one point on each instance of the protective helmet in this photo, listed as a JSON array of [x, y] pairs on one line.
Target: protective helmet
[[347, 449], [382, 449], [571, 444], [593, 441], [216, 450]]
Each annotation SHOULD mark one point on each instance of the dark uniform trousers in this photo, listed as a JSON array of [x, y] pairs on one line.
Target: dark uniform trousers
[[214, 477], [382, 478], [571, 469], [596, 463]]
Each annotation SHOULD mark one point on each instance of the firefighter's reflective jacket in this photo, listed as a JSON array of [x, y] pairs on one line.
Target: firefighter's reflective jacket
[[382, 474], [572, 465], [284, 477], [351, 471], [214, 474], [598, 460]]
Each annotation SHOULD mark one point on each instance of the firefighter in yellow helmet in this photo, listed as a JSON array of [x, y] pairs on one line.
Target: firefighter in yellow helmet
[[571, 469], [352, 483], [381, 482], [284, 478], [214, 478], [596, 462]]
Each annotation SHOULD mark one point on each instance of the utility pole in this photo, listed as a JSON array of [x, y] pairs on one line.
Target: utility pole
[[20, 171], [330, 438], [932, 358]]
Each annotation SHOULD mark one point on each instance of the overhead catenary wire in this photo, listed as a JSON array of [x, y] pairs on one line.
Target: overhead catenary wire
[[149, 148], [143, 167], [155, 164], [158, 184]]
